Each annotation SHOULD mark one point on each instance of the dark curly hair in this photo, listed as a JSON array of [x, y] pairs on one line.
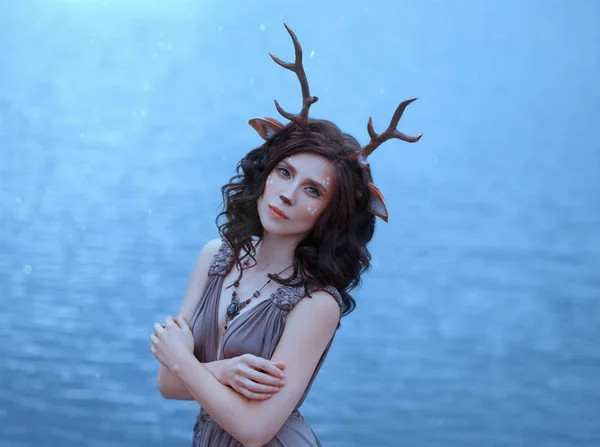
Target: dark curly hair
[[335, 251]]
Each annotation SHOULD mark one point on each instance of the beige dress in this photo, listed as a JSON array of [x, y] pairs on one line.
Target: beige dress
[[256, 331]]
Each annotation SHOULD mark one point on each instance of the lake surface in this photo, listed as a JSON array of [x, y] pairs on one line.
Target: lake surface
[[479, 324]]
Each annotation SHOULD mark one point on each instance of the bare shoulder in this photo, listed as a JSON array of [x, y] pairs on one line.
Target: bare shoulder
[[321, 301], [211, 248], [309, 329], [198, 277], [319, 310], [205, 257]]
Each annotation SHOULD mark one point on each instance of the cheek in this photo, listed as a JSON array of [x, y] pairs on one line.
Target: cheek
[[312, 210], [270, 185]]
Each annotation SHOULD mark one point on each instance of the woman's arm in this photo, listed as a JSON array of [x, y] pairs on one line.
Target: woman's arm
[[309, 329], [169, 385], [251, 376]]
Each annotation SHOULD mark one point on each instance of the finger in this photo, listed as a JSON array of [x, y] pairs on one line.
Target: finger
[[251, 395], [254, 396], [154, 339], [158, 328], [183, 319], [155, 353], [248, 359], [169, 322], [178, 322], [280, 365], [258, 387], [182, 322], [261, 377], [268, 367]]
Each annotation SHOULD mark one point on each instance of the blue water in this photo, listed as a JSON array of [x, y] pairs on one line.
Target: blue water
[[479, 324]]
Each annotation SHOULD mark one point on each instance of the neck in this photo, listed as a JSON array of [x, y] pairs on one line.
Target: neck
[[275, 253]]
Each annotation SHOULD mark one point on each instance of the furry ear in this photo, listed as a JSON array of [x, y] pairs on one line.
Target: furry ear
[[377, 205], [266, 126]]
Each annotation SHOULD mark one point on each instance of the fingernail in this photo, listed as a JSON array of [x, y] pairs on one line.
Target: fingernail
[[282, 382]]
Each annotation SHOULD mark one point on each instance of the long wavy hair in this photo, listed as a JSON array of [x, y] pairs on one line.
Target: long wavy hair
[[335, 251]]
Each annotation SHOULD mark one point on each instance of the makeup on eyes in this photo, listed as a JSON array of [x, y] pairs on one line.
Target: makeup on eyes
[[318, 185]]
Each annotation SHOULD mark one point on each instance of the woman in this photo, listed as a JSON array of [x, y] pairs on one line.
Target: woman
[[264, 301]]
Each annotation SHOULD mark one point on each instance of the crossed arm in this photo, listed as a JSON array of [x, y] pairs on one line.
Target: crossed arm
[[254, 377], [169, 385], [308, 331], [253, 422]]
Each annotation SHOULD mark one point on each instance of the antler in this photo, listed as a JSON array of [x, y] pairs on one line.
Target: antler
[[389, 133], [307, 100]]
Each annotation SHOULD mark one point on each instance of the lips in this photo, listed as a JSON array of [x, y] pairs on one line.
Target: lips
[[278, 211]]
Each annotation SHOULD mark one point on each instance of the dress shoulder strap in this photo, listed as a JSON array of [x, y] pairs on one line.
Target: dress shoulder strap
[[329, 289], [222, 261], [286, 297]]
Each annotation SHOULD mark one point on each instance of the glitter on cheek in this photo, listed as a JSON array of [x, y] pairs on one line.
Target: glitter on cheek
[[311, 210], [269, 180]]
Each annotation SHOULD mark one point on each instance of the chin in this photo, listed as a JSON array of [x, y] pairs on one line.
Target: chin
[[269, 225], [272, 226]]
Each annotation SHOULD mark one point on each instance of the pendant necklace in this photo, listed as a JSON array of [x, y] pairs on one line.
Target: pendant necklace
[[234, 308]]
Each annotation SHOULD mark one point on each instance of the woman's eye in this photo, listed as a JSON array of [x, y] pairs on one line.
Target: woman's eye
[[314, 191], [284, 172]]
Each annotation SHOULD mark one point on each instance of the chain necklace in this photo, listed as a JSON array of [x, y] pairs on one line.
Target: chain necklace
[[235, 306]]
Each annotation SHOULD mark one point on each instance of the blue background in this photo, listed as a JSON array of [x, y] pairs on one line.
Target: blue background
[[120, 120]]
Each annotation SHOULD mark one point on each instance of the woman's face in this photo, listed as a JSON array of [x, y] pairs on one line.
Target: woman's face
[[297, 191]]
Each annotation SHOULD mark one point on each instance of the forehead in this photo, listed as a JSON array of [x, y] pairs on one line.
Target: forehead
[[311, 165]]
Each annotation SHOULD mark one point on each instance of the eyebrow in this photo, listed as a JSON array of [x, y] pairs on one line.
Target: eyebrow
[[313, 182]]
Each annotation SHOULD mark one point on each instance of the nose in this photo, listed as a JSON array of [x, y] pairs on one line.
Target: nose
[[286, 200]]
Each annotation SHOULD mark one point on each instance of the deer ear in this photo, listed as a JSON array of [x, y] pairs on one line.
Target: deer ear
[[266, 126], [377, 206]]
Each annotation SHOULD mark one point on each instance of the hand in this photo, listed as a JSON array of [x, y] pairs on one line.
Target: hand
[[172, 341], [253, 377]]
